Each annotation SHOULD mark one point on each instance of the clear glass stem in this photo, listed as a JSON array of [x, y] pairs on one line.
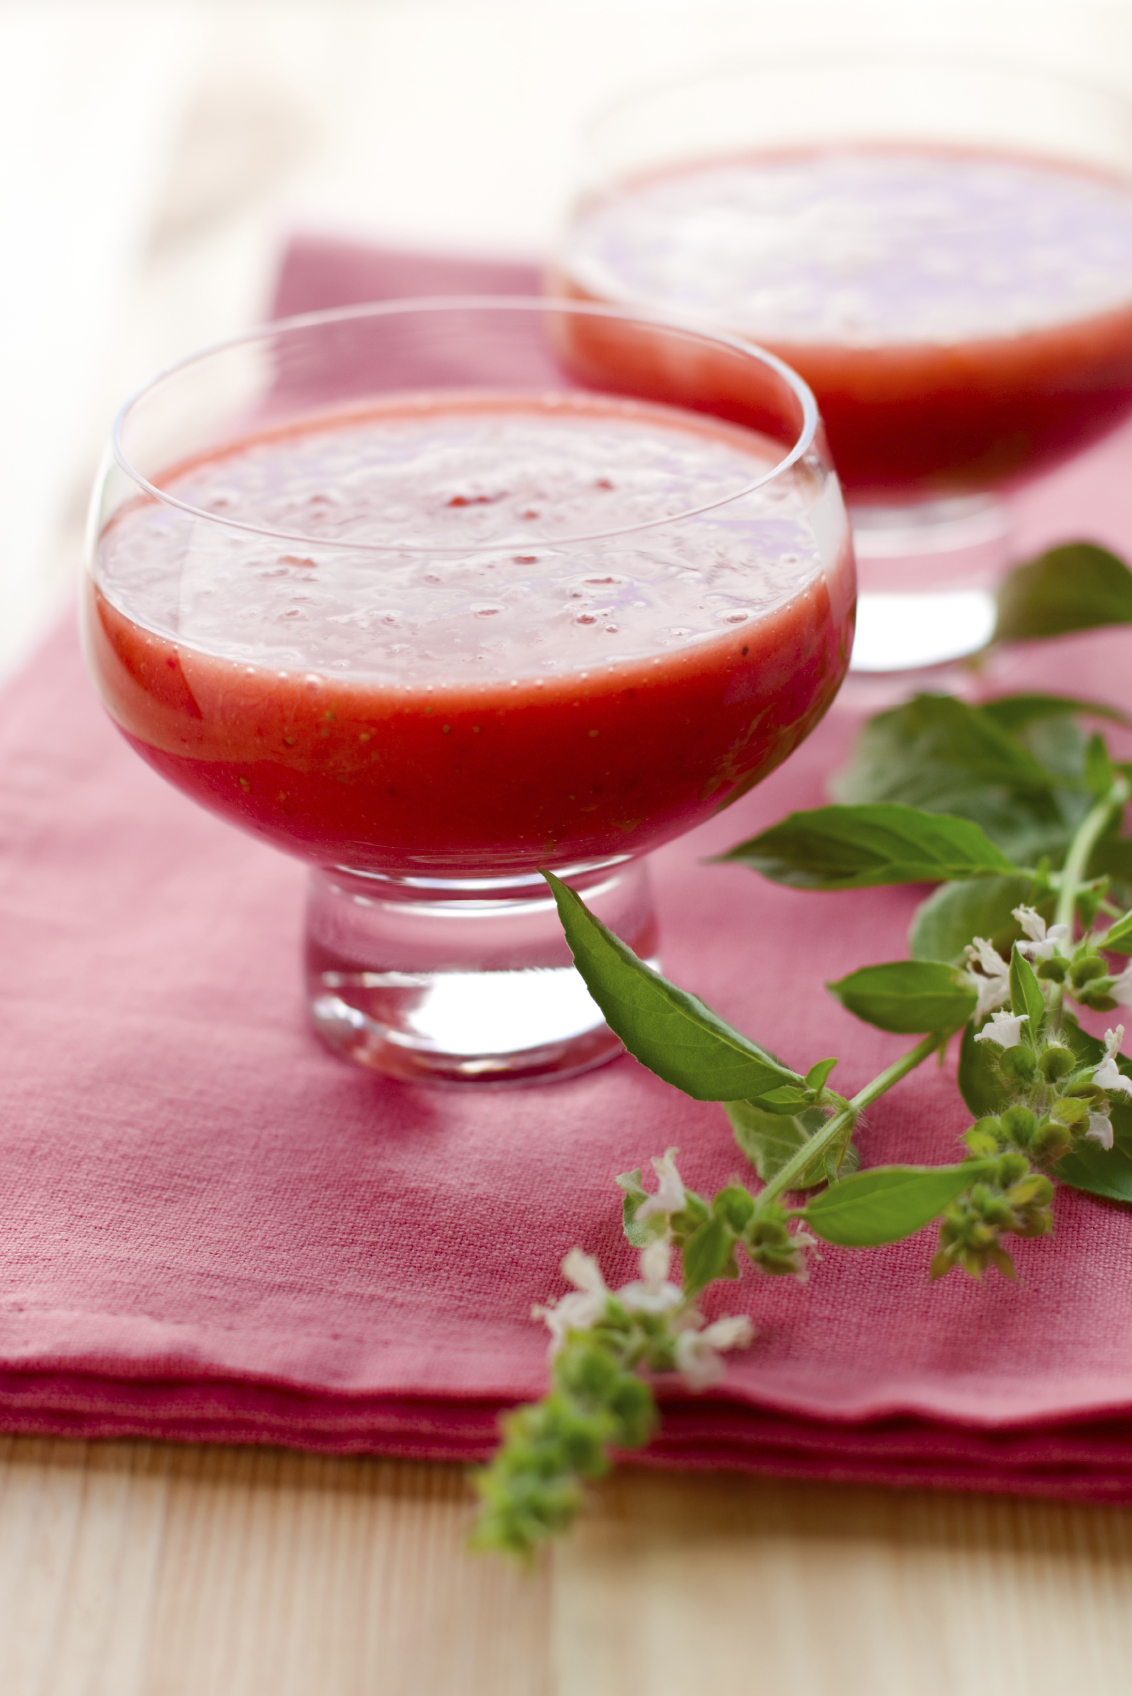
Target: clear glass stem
[[449, 981], [927, 577]]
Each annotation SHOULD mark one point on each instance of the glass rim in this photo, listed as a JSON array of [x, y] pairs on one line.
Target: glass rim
[[704, 331], [849, 53]]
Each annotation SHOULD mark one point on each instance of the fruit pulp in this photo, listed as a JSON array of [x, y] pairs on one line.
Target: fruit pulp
[[474, 635], [962, 318]]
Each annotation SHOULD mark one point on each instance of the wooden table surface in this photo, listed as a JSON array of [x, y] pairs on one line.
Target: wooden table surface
[[173, 145], [139, 1569]]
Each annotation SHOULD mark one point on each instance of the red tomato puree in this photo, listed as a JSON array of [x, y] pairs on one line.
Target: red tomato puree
[[429, 656], [962, 318]]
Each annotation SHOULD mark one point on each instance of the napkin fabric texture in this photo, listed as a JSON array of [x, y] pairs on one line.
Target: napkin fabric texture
[[212, 1229]]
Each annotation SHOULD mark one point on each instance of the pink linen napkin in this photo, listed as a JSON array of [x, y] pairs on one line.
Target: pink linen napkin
[[212, 1229]]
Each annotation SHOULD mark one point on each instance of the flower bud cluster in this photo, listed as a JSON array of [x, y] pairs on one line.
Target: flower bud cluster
[[774, 1248], [1080, 970], [1058, 1101], [1010, 1197], [707, 1235], [533, 1486], [1088, 980], [601, 1340]]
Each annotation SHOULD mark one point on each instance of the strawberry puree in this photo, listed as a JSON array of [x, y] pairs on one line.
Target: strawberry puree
[[961, 318], [521, 693]]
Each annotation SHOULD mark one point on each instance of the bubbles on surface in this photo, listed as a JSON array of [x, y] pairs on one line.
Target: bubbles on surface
[[864, 247], [484, 612]]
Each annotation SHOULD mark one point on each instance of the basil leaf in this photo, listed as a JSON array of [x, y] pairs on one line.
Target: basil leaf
[[1012, 712], [861, 847], [981, 1084], [788, 1099], [1112, 856], [770, 1140], [953, 915], [1118, 937], [1076, 587], [1059, 746], [886, 1203], [640, 1235], [914, 752], [939, 754], [1025, 991], [818, 1074], [1099, 774], [908, 996], [708, 1254], [671, 1032], [1106, 1172]]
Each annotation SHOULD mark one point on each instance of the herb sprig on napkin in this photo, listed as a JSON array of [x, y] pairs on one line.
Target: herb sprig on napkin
[[1014, 810]]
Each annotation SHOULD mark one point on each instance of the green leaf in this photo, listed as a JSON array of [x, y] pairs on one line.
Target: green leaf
[[771, 1140], [1025, 991], [909, 996], [943, 756], [1118, 937], [786, 1100], [920, 752], [671, 1032], [640, 1235], [981, 1084], [886, 1203], [861, 847], [818, 1074], [1012, 712], [1075, 587], [709, 1254], [953, 915], [1059, 746], [1112, 856], [1098, 1171], [1099, 774]]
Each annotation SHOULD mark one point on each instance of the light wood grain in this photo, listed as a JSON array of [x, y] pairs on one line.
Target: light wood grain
[[145, 1570], [137, 1569], [678, 1583]]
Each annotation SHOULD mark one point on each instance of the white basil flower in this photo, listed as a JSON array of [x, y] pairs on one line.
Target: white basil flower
[[1107, 1076], [1100, 1129], [652, 1292], [585, 1304], [698, 1352], [1005, 1029], [669, 1196], [1122, 986], [992, 984], [800, 1241], [1043, 943]]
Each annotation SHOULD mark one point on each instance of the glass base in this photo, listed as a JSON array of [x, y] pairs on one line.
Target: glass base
[[459, 981], [926, 578]]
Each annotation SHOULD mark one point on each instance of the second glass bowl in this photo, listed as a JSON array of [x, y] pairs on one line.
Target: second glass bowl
[[942, 249]]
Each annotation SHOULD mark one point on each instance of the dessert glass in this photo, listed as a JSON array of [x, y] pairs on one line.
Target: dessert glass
[[421, 594], [942, 249]]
